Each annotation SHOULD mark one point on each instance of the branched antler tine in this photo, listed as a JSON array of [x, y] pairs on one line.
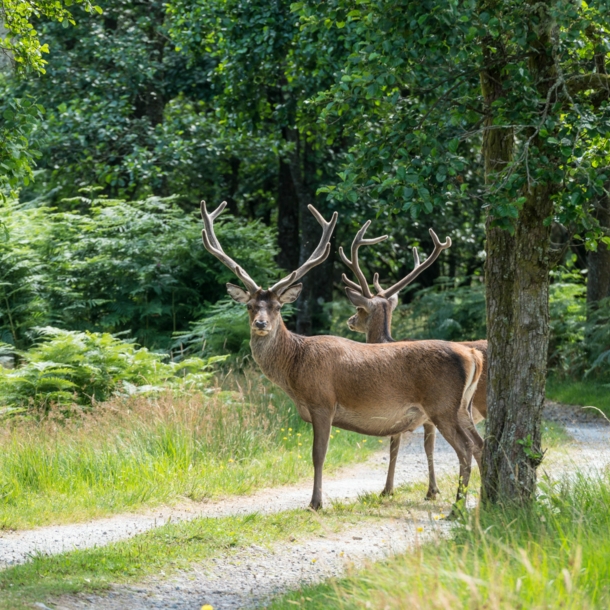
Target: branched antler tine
[[415, 257], [419, 267], [350, 284], [212, 245], [376, 283], [354, 265], [438, 243], [319, 255]]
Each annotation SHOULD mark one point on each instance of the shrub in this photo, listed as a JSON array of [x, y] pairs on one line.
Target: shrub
[[114, 266], [81, 368]]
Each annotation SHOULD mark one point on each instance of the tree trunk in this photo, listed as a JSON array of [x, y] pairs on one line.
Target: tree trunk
[[317, 284], [517, 277], [598, 263], [287, 219]]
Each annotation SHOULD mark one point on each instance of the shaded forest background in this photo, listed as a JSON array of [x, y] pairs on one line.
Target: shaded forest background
[[149, 107]]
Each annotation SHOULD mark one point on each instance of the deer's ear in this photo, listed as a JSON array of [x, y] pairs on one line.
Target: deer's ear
[[238, 294], [393, 301], [291, 294], [357, 299]]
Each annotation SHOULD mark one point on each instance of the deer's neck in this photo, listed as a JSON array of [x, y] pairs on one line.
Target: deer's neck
[[379, 327], [276, 352]]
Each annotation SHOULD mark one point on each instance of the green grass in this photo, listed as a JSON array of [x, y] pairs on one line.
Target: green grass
[[585, 393], [140, 452], [556, 555]]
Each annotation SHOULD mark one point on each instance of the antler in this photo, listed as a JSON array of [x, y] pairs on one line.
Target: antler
[[213, 246], [354, 265], [319, 255], [419, 267]]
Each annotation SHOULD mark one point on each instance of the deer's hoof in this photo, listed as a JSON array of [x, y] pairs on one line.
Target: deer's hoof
[[432, 494], [315, 505], [387, 492]]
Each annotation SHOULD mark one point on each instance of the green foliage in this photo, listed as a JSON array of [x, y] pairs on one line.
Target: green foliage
[[68, 368], [443, 312], [21, 46], [225, 327], [410, 100], [113, 266], [21, 41]]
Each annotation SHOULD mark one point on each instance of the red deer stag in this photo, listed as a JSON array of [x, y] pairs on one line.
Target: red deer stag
[[379, 390], [373, 317]]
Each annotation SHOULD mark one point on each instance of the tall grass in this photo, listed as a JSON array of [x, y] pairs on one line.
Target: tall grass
[[230, 439], [556, 555]]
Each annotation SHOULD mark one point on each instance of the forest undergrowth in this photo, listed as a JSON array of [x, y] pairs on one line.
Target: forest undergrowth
[[237, 436]]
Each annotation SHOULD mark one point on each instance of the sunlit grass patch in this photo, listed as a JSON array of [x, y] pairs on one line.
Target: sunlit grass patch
[[126, 454], [585, 392]]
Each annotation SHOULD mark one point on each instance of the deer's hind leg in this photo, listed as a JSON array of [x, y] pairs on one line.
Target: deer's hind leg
[[455, 434], [468, 425], [388, 490]]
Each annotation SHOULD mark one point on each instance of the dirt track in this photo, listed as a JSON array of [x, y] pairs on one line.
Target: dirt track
[[252, 575]]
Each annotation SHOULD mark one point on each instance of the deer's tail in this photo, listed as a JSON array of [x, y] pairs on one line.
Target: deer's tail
[[476, 368]]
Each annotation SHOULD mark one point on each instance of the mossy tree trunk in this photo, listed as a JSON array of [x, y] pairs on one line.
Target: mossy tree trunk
[[517, 278]]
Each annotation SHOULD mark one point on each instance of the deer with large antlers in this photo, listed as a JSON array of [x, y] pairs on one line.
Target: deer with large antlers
[[379, 390], [373, 317]]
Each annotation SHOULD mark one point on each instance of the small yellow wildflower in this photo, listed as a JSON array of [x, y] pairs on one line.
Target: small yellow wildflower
[[282, 429], [300, 444], [207, 607], [364, 441], [436, 517], [420, 529], [314, 560], [285, 438], [341, 554], [230, 460], [289, 429], [381, 441], [299, 456], [331, 436], [298, 434]]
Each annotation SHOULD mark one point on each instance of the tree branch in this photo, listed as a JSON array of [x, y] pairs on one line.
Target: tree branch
[[600, 83]]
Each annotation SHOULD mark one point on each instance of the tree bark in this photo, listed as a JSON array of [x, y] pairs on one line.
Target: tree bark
[[287, 219], [598, 262], [317, 284], [517, 277]]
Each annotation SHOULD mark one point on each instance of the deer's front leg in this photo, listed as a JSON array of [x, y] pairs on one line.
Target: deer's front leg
[[394, 447], [321, 422]]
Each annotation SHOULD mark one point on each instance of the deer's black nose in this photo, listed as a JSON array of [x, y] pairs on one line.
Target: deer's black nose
[[260, 324]]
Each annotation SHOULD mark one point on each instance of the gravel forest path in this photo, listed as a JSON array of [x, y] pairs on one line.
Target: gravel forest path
[[250, 576]]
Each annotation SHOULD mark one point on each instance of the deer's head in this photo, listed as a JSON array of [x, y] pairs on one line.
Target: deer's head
[[264, 306], [374, 311], [369, 311]]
